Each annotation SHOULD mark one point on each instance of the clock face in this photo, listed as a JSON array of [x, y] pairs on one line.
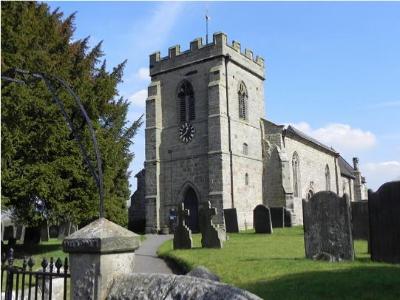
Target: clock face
[[186, 132]]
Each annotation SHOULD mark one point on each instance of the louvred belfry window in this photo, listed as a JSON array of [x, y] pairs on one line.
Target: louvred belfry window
[[242, 94], [186, 102]]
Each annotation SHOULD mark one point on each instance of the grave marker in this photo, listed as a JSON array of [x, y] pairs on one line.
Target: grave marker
[[211, 237], [384, 222], [262, 219], [182, 235], [327, 227]]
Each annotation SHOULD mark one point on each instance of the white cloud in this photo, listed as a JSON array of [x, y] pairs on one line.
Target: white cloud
[[143, 74], [378, 173], [138, 98], [158, 26], [341, 137]]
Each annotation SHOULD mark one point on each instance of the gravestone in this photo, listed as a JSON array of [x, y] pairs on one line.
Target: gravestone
[[32, 235], [182, 234], [384, 222], [231, 221], [66, 229], [53, 231], [44, 233], [211, 237], [327, 227], [20, 233], [262, 219], [360, 220], [277, 217], [8, 233], [287, 217]]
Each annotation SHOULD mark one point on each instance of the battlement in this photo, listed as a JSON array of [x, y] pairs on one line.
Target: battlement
[[219, 46]]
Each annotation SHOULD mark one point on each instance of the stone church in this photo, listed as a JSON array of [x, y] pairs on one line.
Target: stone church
[[207, 140]]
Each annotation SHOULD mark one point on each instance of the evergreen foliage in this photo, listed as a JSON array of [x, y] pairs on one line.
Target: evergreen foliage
[[40, 157]]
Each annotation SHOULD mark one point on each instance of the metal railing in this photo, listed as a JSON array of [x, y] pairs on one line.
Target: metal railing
[[24, 283]]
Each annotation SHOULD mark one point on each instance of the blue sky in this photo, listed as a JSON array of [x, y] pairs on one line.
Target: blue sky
[[333, 68]]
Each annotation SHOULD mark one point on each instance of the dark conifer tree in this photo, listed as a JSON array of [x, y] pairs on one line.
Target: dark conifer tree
[[40, 158]]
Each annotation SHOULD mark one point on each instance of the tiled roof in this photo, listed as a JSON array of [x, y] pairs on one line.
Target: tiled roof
[[304, 136], [345, 168]]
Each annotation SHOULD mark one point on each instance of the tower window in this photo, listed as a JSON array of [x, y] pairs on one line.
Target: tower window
[[242, 95], [246, 179], [186, 102], [245, 149]]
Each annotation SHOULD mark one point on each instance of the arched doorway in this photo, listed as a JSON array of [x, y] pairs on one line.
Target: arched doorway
[[191, 203]]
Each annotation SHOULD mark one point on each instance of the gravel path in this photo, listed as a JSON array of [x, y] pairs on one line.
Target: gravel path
[[146, 260]]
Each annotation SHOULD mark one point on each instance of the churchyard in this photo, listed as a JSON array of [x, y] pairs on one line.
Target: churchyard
[[274, 267]]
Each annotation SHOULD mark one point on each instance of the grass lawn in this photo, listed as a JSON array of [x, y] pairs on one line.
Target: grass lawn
[[274, 267]]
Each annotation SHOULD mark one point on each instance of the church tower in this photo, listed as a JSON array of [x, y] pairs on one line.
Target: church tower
[[203, 136]]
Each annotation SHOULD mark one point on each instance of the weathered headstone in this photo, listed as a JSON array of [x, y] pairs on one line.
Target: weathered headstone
[[384, 222], [20, 233], [277, 217], [53, 231], [287, 217], [262, 219], [66, 229], [44, 233], [32, 235], [327, 227], [8, 233], [211, 237], [360, 220], [182, 235], [231, 220]]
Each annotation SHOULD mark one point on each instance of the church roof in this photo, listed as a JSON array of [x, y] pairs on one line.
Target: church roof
[[302, 135], [345, 168]]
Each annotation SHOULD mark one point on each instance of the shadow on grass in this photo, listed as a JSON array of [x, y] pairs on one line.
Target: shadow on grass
[[357, 283]]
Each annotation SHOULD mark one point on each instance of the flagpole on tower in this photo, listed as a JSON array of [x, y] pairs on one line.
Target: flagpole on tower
[[207, 26]]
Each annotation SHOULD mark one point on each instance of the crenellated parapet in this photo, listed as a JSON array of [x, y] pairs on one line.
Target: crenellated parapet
[[198, 52]]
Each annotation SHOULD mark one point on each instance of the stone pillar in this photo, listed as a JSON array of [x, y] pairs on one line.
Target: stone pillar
[[97, 253], [152, 162], [357, 181]]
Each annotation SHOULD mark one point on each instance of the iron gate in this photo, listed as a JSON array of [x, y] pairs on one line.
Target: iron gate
[[24, 283]]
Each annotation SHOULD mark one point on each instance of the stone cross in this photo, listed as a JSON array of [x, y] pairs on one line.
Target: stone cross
[[211, 237], [182, 215], [182, 235]]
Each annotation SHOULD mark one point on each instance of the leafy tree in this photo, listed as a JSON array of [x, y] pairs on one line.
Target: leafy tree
[[40, 158]]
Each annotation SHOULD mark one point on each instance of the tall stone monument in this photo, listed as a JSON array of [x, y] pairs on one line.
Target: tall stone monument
[[327, 227], [211, 237], [384, 222], [182, 235]]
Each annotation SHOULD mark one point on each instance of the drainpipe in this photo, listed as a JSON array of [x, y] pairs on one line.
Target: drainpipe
[[227, 57]]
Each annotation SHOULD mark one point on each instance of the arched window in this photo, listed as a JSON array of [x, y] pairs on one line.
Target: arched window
[[296, 174], [246, 179], [245, 149], [327, 178], [242, 95], [186, 102]]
